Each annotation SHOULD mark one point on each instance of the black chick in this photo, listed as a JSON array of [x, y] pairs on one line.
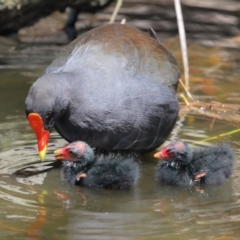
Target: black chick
[[83, 167], [184, 166]]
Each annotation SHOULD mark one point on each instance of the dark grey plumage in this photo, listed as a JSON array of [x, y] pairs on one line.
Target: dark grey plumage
[[113, 87], [109, 171], [184, 166]]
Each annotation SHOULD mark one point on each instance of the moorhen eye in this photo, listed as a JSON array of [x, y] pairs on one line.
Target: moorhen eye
[[49, 115]]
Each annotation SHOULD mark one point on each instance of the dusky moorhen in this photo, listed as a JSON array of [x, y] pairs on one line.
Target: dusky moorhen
[[184, 166], [113, 87], [81, 166]]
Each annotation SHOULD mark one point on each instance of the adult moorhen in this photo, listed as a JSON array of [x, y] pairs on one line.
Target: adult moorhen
[[85, 168], [184, 166], [113, 87]]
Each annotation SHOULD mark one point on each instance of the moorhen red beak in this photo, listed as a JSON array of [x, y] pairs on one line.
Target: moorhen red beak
[[42, 135], [113, 87]]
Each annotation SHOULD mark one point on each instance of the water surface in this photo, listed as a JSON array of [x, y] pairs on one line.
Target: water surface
[[36, 203]]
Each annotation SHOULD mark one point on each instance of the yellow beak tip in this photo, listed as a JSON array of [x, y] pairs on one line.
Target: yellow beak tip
[[42, 154]]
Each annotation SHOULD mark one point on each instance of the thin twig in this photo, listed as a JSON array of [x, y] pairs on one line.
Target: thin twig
[[185, 88], [184, 99], [212, 123], [183, 41], [221, 135], [116, 10]]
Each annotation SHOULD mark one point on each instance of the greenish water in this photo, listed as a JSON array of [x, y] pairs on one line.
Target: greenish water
[[36, 203]]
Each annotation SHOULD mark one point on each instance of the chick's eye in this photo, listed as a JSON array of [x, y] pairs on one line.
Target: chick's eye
[[72, 151], [167, 150], [170, 152]]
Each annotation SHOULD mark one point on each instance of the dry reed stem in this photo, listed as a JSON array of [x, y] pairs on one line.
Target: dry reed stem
[[224, 112], [183, 41], [116, 10]]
